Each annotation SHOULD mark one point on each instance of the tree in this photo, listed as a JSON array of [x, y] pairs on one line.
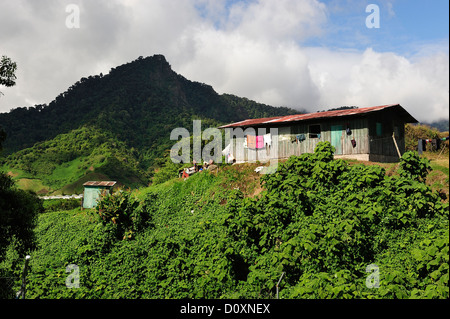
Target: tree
[[2, 138], [7, 78], [7, 72]]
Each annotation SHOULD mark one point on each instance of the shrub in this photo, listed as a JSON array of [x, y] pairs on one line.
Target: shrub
[[127, 214], [414, 167]]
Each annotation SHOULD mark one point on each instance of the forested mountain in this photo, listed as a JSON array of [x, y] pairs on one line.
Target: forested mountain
[[134, 107], [441, 125], [139, 102]]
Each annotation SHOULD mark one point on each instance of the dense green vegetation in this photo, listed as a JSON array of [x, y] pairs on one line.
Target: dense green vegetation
[[18, 218], [68, 160], [320, 221]]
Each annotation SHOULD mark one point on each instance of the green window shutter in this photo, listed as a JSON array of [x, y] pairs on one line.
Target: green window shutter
[[379, 127]]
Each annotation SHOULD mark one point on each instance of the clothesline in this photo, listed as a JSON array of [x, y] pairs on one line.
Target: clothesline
[[258, 141], [251, 142], [381, 138], [435, 143]]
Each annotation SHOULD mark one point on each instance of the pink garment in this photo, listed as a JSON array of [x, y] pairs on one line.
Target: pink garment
[[260, 141]]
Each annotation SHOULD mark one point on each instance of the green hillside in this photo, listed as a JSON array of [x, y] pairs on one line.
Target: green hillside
[[321, 222], [64, 163]]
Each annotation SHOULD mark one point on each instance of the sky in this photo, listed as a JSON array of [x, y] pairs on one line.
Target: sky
[[306, 54]]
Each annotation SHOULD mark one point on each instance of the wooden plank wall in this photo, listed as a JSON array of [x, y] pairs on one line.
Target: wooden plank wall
[[363, 130], [384, 144]]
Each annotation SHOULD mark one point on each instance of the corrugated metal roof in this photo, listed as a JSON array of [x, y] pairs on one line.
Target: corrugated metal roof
[[104, 184], [318, 115]]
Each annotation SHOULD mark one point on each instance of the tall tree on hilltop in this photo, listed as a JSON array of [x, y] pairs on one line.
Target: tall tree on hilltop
[[7, 72], [7, 78]]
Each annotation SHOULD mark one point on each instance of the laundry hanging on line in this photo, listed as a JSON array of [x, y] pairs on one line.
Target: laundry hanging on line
[[226, 150], [300, 137], [251, 141], [267, 139], [255, 142], [435, 144], [422, 146], [227, 153], [260, 141]]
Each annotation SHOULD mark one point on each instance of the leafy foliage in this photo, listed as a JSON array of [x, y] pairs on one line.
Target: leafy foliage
[[318, 220], [54, 205], [18, 218], [414, 167], [18, 214], [125, 213], [8, 69]]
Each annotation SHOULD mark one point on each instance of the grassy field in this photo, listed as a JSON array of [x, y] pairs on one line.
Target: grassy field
[[66, 179], [34, 185]]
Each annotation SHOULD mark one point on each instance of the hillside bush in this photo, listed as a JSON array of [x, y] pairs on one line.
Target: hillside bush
[[127, 214], [414, 167]]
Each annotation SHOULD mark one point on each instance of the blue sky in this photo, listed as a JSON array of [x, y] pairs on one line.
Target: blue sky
[[421, 20], [404, 25], [305, 54]]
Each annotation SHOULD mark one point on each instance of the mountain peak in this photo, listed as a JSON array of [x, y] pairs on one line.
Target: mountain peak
[[155, 64]]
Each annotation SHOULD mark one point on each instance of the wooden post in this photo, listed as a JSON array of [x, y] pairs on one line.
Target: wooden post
[[23, 288], [278, 283], [396, 146], [441, 151]]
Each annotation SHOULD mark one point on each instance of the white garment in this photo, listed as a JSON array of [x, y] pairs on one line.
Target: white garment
[[268, 139], [226, 151]]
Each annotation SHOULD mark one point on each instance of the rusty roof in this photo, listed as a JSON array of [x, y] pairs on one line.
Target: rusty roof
[[104, 184], [318, 115]]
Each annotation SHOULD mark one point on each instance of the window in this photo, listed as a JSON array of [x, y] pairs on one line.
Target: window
[[379, 129], [314, 131]]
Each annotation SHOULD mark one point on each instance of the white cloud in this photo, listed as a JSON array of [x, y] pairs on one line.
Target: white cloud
[[236, 64], [372, 78], [278, 20]]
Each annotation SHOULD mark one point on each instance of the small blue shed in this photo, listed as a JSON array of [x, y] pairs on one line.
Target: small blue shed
[[93, 191]]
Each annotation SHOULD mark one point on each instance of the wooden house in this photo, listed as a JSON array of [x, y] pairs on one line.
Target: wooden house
[[370, 134]]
